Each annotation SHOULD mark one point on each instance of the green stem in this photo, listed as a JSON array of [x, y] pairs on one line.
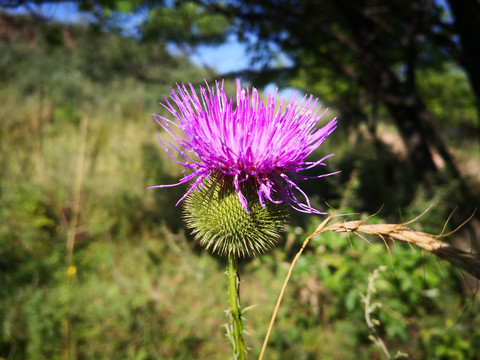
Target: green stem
[[236, 330]]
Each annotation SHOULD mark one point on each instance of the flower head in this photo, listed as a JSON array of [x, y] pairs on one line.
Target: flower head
[[249, 143]]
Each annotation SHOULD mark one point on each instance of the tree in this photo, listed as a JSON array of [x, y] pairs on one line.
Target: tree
[[377, 47], [467, 26], [369, 51]]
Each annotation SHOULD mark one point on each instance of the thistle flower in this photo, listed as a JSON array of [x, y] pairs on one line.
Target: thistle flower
[[249, 143], [242, 162]]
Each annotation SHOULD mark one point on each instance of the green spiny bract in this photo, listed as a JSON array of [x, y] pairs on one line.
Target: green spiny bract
[[220, 223]]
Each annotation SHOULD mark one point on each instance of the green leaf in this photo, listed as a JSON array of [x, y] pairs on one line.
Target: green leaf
[[124, 6]]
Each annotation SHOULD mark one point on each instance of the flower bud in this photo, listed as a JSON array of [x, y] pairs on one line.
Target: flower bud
[[220, 223]]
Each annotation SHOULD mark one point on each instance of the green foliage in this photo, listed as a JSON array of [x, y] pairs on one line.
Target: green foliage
[[77, 151], [449, 98], [186, 24], [413, 292]]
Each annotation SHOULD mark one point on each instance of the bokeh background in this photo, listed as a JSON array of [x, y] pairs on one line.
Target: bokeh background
[[94, 266]]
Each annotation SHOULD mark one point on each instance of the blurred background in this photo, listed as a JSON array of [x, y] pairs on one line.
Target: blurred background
[[94, 266]]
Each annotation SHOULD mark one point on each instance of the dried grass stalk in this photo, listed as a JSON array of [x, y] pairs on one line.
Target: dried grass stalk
[[432, 243], [462, 259]]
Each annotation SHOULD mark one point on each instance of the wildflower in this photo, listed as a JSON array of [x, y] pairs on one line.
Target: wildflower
[[248, 145]]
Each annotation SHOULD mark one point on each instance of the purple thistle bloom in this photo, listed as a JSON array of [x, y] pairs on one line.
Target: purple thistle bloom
[[249, 141]]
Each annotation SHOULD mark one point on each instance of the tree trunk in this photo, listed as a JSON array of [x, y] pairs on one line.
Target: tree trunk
[[408, 122], [400, 96], [467, 25]]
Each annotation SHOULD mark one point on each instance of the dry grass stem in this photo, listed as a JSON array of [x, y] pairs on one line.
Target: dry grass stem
[[284, 286], [462, 259], [432, 243]]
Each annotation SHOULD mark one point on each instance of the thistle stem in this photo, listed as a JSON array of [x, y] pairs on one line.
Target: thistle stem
[[235, 331]]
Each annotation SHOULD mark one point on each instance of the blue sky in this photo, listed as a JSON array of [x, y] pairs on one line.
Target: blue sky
[[225, 58]]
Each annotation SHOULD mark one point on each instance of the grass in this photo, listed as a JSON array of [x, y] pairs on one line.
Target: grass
[[78, 148]]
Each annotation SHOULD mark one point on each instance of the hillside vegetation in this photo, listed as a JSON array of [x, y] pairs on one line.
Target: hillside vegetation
[[94, 266]]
